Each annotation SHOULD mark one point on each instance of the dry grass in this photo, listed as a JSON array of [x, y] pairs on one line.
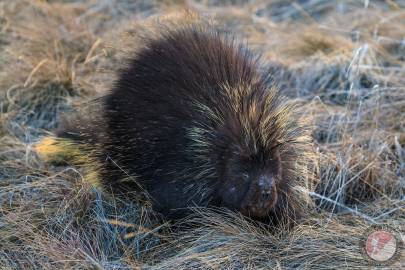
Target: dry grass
[[343, 60]]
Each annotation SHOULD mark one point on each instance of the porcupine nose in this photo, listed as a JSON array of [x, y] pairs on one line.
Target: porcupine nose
[[265, 187], [261, 197]]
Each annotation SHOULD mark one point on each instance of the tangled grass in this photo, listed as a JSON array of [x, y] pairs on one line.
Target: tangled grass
[[343, 61]]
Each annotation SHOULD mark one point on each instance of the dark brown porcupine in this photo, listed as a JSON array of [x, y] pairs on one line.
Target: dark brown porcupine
[[194, 121]]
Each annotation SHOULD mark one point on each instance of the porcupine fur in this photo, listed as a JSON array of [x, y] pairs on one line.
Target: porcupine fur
[[195, 120]]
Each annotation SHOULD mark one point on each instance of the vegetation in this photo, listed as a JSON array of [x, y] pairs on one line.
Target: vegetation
[[344, 61]]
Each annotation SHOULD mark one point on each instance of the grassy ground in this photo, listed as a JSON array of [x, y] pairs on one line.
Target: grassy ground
[[343, 60]]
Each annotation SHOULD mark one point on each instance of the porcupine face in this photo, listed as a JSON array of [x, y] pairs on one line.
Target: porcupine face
[[256, 162], [250, 184]]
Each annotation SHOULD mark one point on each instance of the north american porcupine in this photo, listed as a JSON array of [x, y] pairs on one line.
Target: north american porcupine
[[195, 121]]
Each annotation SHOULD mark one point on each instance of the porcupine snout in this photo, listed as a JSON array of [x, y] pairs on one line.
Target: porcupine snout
[[260, 197], [265, 186]]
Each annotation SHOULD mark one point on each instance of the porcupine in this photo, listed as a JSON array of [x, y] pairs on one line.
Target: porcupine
[[195, 120]]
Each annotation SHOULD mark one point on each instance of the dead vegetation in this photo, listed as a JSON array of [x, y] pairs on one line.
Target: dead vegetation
[[344, 61]]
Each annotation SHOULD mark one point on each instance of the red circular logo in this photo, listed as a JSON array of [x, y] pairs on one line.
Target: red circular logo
[[381, 245]]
